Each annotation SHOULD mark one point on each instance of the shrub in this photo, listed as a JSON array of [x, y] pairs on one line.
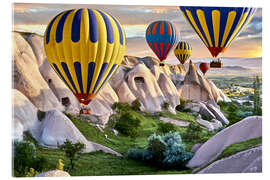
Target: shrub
[[25, 157], [163, 151], [135, 105], [165, 105], [128, 124], [181, 106], [193, 132], [166, 127], [121, 107], [72, 151]]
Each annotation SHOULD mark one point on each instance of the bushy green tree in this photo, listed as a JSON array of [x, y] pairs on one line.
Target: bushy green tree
[[165, 105], [166, 127], [193, 132], [25, 157], [72, 151], [127, 124]]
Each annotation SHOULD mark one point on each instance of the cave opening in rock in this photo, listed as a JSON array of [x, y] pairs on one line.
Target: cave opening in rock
[[49, 81], [139, 80], [65, 101]]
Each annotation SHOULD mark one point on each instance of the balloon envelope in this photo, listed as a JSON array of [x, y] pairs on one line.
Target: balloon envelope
[[161, 37], [183, 51], [84, 47], [217, 26], [204, 67]]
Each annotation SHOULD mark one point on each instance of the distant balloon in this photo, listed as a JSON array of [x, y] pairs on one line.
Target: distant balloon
[[204, 67], [217, 26], [84, 47], [161, 37], [183, 51]]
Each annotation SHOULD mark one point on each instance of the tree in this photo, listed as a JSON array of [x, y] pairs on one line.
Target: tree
[[72, 151], [256, 98]]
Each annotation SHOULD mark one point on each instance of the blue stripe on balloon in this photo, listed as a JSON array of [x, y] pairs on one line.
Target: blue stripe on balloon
[[209, 23], [91, 70], [62, 77], [102, 71], [60, 26], [93, 29], [113, 67], [197, 21], [76, 26], [65, 68], [50, 27], [78, 71], [239, 14], [222, 26], [119, 30], [110, 33]]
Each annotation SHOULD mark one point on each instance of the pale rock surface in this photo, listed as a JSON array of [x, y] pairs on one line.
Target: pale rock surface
[[175, 122], [54, 173], [204, 111], [194, 107], [195, 147], [100, 109], [196, 87], [27, 78], [24, 116], [144, 86], [59, 88], [248, 161], [248, 128], [216, 123], [124, 93], [218, 114], [205, 123], [36, 42], [56, 128], [169, 91], [117, 78], [108, 94]]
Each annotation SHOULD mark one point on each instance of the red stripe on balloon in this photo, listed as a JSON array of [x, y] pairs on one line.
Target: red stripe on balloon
[[154, 28], [161, 48], [161, 30], [169, 29], [167, 48], [156, 48], [152, 47]]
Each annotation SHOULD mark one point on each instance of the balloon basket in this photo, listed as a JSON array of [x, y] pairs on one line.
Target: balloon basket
[[85, 111]]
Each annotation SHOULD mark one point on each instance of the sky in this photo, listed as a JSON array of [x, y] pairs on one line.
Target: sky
[[135, 19]]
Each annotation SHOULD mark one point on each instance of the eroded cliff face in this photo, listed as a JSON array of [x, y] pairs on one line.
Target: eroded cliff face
[[140, 78]]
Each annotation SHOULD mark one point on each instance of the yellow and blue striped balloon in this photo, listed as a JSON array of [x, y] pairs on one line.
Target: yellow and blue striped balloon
[[217, 26], [84, 47], [182, 51]]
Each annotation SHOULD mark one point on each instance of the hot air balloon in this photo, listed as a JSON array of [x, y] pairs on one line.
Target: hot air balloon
[[217, 26], [161, 37], [84, 47], [183, 51], [204, 67]]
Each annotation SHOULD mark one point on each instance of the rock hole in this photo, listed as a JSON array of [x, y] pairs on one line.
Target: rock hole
[[65, 101], [49, 81], [139, 80]]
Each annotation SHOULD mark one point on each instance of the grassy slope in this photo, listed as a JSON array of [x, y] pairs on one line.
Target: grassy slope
[[99, 163]]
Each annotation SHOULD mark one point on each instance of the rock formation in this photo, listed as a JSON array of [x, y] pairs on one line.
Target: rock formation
[[248, 161], [197, 88], [27, 78], [248, 128], [54, 173]]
